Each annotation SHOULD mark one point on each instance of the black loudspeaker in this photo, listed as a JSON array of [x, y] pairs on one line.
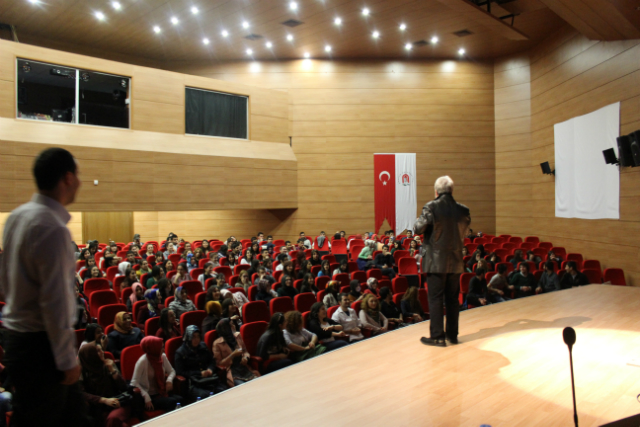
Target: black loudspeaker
[[610, 156], [546, 169], [624, 151], [635, 147]]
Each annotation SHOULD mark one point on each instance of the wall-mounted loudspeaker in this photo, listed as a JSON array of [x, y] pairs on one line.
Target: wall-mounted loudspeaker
[[624, 151], [635, 147]]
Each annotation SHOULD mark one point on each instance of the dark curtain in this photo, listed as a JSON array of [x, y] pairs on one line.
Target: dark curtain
[[215, 114]]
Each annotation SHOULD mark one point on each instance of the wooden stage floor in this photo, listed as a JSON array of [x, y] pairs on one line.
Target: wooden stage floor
[[511, 369]]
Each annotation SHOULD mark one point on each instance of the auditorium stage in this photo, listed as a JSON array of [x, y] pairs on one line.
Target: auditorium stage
[[511, 369]]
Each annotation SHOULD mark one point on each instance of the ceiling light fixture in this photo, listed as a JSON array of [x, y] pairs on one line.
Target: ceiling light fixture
[[100, 16], [269, 45], [434, 39], [293, 5], [205, 41], [375, 34], [249, 52], [34, 1], [408, 46], [116, 5], [366, 11], [225, 33], [245, 24], [156, 29], [307, 55], [337, 21], [327, 48], [461, 51], [403, 27], [174, 20], [289, 37], [194, 10]]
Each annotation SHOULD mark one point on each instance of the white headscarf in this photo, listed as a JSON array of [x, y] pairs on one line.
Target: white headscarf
[[123, 267]]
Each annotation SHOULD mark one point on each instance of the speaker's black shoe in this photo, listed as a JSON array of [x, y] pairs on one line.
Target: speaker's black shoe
[[453, 340], [433, 342]]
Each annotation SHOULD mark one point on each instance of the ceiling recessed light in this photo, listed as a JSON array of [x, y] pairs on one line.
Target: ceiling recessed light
[[293, 5], [174, 20], [434, 39], [408, 46], [100, 16], [269, 45], [366, 11], [461, 51], [337, 21], [289, 37], [225, 33], [194, 10], [249, 52], [245, 24], [307, 55], [375, 34], [156, 29], [403, 27], [327, 48], [205, 41], [34, 1], [116, 5]]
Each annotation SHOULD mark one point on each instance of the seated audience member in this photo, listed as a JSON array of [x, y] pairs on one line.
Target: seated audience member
[[272, 348], [208, 269], [231, 260], [136, 295], [168, 266], [265, 293], [499, 285], [365, 257], [304, 241], [181, 304], [131, 259], [238, 298], [478, 292], [144, 269], [573, 277], [151, 309], [123, 267], [482, 251], [170, 250], [287, 269], [286, 288], [223, 251], [85, 272], [154, 375], [385, 262], [315, 258], [533, 258], [347, 317], [523, 282], [157, 273], [248, 257], [305, 268], [214, 257], [325, 269], [355, 293], [231, 312], [168, 325], [411, 307], [149, 252], [165, 290], [213, 294], [302, 344], [475, 258], [221, 281], [549, 281], [325, 329], [231, 354], [206, 247], [308, 284], [390, 309], [372, 285], [195, 362], [262, 274], [160, 259], [192, 264], [517, 258], [130, 277], [101, 384], [181, 276], [342, 268], [493, 260], [82, 317], [396, 246], [331, 295], [371, 317], [244, 281], [123, 334], [551, 256], [214, 314], [94, 333]]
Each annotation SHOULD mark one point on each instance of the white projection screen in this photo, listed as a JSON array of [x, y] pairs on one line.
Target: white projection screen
[[586, 187]]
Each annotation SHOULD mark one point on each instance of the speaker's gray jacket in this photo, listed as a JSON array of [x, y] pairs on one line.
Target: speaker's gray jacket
[[444, 223]]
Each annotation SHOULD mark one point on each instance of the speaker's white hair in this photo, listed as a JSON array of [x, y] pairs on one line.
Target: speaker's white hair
[[444, 184]]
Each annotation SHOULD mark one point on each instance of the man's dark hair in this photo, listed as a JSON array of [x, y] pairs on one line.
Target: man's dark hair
[[269, 237], [287, 242], [572, 265], [155, 271], [260, 232], [51, 166], [344, 295], [301, 233], [385, 246], [549, 265], [384, 292], [131, 253], [502, 268], [282, 258], [480, 271]]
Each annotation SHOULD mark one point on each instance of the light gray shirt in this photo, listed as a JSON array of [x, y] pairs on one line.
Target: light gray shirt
[[302, 338], [349, 321], [37, 275]]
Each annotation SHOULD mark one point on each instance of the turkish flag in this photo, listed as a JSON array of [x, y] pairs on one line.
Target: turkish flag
[[384, 170]]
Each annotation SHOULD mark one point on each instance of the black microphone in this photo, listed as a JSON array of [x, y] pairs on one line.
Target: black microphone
[[569, 337]]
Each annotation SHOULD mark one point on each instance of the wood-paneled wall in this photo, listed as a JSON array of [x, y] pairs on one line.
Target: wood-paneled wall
[[342, 112], [569, 76]]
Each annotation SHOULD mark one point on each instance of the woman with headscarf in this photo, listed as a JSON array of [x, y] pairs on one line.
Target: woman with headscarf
[[231, 354], [122, 268], [265, 293], [214, 314], [123, 334], [181, 304], [272, 347], [151, 309], [154, 375], [101, 383], [136, 295], [355, 293], [195, 362], [168, 326], [331, 294], [372, 286], [231, 312]]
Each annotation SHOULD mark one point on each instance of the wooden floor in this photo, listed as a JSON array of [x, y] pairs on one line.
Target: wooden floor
[[511, 369]]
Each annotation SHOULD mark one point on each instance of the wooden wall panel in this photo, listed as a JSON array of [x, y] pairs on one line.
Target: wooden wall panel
[[106, 226]]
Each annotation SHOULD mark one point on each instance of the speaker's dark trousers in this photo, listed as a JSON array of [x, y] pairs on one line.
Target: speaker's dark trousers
[[444, 289]]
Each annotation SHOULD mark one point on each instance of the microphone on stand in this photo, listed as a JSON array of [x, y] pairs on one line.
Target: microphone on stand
[[569, 337]]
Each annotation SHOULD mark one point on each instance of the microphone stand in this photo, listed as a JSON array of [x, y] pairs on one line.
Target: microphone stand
[[573, 389]]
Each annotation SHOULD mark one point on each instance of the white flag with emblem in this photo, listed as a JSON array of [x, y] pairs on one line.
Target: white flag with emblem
[[406, 191]]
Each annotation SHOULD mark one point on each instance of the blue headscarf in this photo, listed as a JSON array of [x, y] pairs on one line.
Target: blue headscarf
[[152, 301]]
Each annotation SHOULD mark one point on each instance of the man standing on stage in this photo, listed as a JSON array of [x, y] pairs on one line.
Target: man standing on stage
[[444, 223], [37, 273]]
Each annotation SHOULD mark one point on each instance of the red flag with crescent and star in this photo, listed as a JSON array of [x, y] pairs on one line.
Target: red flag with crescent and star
[[384, 171]]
